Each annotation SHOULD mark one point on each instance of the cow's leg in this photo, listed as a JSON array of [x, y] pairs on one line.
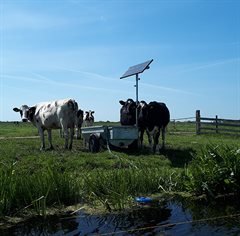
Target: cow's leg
[[141, 133], [71, 137], [85, 143], [41, 134], [156, 139], [50, 139], [163, 137], [61, 133], [78, 132], [149, 138], [66, 135]]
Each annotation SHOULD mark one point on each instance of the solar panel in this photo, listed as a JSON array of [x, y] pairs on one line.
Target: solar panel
[[137, 69]]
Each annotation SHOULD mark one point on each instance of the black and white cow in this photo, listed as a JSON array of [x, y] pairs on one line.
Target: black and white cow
[[152, 117], [128, 112], [59, 114], [88, 118]]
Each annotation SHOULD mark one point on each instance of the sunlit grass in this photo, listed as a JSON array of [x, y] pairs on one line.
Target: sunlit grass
[[31, 179]]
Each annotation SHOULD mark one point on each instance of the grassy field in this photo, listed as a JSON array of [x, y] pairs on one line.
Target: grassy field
[[35, 180]]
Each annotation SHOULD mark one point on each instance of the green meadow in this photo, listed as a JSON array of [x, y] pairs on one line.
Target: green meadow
[[36, 181]]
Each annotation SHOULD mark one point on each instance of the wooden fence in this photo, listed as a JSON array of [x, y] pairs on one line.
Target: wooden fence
[[215, 125]]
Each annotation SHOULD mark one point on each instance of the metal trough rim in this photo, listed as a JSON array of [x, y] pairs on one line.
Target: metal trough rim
[[107, 127]]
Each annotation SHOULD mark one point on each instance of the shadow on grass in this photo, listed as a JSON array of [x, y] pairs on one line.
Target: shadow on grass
[[179, 157]]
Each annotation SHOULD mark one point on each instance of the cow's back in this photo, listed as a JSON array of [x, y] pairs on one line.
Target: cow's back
[[51, 115], [158, 114]]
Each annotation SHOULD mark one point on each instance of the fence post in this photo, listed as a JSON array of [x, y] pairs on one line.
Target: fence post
[[216, 124], [198, 122]]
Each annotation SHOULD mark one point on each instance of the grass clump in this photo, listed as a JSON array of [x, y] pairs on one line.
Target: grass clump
[[114, 188], [216, 170], [7, 187], [21, 190]]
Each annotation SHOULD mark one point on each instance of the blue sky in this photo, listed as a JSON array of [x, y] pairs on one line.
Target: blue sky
[[79, 49]]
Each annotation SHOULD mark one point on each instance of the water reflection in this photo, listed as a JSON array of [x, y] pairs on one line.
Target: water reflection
[[172, 218], [222, 216]]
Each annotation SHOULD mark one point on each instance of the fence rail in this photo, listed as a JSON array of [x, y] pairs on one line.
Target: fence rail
[[206, 125]]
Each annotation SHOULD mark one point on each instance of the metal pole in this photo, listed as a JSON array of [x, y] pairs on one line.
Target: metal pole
[[137, 99]]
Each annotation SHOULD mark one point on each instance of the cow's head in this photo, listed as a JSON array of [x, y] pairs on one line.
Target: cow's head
[[128, 112], [142, 113], [142, 109], [26, 112], [88, 116]]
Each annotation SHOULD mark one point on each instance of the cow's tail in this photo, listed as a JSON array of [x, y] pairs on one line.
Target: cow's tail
[[73, 105]]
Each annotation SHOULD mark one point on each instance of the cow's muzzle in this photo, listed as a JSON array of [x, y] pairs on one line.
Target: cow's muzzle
[[24, 120]]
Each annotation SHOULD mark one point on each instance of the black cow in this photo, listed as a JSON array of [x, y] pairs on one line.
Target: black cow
[[152, 117], [79, 123]]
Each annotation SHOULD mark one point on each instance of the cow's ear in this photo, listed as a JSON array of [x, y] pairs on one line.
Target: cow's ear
[[16, 109], [122, 102], [92, 112], [31, 112]]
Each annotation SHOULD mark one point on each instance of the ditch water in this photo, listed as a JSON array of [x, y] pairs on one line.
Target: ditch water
[[169, 218]]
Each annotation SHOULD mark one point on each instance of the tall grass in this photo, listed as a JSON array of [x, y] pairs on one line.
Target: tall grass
[[216, 170], [37, 190], [114, 188], [7, 188]]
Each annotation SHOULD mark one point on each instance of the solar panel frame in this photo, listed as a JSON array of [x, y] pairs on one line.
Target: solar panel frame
[[137, 69]]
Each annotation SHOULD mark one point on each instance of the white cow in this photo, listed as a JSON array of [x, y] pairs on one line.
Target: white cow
[[59, 114]]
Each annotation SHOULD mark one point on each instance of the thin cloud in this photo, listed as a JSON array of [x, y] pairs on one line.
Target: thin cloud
[[236, 43], [167, 89], [20, 19], [211, 64], [22, 78], [104, 78], [29, 19], [42, 79], [88, 74]]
